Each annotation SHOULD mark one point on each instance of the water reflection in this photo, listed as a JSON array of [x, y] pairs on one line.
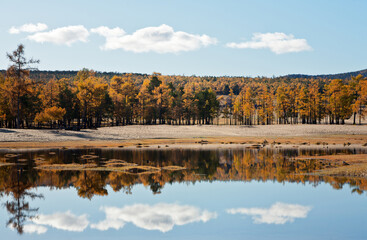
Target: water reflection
[[162, 217], [154, 169], [169, 166], [278, 213], [32, 228], [63, 220], [19, 180]]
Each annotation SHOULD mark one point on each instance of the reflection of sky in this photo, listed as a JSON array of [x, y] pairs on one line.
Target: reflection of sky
[[278, 213], [63, 220], [162, 216], [335, 214], [33, 228]]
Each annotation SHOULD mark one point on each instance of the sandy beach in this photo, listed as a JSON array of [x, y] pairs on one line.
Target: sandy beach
[[168, 134]]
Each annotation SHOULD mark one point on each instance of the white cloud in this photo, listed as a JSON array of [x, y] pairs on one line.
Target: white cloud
[[277, 42], [278, 213], [162, 217], [29, 28], [64, 221], [33, 228], [108, 32], [162, 39], [64, 35]]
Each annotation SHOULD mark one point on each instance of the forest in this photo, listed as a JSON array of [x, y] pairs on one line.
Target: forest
[[89, 99]]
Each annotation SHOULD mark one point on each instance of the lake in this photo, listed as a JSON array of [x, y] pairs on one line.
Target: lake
[[178, 194]]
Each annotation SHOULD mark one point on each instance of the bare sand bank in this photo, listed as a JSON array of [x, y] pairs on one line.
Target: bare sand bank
[[126, 136]]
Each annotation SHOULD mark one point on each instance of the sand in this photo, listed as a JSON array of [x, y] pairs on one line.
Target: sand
[[168, 134], [169, 131]]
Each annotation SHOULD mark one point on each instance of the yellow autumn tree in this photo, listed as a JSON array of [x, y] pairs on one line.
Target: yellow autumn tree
[[49, 115], [124, 95], [92, 92]]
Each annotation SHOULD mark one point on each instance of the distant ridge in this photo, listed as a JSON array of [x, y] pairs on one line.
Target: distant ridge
[[347, 75], [47, 74]]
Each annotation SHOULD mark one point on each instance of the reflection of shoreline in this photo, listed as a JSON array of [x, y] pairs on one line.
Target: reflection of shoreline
[[265, 164], [192, 165]]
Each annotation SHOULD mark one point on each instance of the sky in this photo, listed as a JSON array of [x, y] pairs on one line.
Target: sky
[[191, 37]]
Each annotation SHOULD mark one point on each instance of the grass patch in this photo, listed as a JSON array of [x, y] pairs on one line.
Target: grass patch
[[67, 167], [11, 155], [357, 170], [6, 164], [114, 165], [173, 168], [342, 165], [348, 158], [118, 163], [89, 157], [254, 146], [22, 160]]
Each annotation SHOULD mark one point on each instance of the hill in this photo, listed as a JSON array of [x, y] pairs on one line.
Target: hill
[[43, 74], [347, 75]]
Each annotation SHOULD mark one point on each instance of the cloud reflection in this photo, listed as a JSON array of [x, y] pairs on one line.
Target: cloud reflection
[[162, 216], [33, 228], [64, 221], [278, 213]]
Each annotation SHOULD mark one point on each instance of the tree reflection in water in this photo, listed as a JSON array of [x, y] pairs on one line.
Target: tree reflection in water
[[200, 165], [19, 180], [91, 183]]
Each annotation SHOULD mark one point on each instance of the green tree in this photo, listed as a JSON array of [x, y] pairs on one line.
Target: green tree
[[18, 73]]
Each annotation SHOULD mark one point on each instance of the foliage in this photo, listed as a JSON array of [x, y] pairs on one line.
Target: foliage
[[88, 99]]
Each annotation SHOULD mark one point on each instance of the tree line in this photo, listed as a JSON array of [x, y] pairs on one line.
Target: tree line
[[90, 100]]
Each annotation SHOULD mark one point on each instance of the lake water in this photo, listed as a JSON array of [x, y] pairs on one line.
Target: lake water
[[178, 194]]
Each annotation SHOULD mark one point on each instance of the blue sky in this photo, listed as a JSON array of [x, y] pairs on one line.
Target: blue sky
[[206, 37]]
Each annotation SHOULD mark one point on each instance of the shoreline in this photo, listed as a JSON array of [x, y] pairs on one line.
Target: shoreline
[[127, 136], [345, 141], [165, 137]]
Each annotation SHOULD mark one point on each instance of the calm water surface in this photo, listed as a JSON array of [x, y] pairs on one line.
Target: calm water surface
[[178, 194]]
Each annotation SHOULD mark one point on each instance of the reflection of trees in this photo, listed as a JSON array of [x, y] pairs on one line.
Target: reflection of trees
[[207, 163], [203, 165], [155, 182], [16, 181], [123, 181], [90, 183]]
